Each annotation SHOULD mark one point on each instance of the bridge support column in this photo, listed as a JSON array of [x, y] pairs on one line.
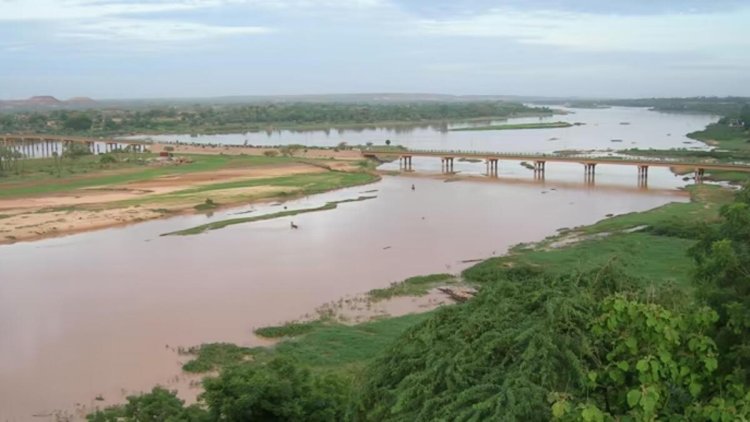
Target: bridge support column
[[589, 173], [492, 167], [539, 168], [699, 173], [404, 163], [642, 176], [446, 165]]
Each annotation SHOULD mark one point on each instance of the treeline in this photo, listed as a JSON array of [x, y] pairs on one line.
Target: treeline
[[251, 117], [721, 106], [531, 346]]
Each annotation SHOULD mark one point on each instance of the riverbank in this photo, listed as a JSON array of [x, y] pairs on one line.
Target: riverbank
[[50, 199], [649, 247]]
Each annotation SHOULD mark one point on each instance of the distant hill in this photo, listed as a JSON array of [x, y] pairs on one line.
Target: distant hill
[[47, 101]]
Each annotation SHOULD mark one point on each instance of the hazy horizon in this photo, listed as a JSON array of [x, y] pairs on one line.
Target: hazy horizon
[[181, 49]]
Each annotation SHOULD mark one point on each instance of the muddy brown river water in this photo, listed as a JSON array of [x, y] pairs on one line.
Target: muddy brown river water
[[101, 313]]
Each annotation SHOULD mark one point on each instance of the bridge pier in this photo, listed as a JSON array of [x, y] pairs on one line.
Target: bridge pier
[[699, 173], [446, 165], [539, 168], [492, 167], [642, 175], [404, 163], [589, 173]]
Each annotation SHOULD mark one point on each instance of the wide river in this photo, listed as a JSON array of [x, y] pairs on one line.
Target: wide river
[[101, 313]]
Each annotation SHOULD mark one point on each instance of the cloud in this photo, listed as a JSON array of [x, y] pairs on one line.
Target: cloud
[[60, 10], [595, 32], [122, 21], [157, 30]]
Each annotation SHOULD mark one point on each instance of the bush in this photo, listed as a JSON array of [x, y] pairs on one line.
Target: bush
[[280, 390], [107, 159], [270, 153]]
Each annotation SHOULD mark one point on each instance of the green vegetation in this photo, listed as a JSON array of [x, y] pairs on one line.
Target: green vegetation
[[413, 286], [216, 225], [540, 125], [726, 106], [160, 405], [290, 329], [254, 117], [215, 355], [207, 205], [47, 175], [727, 134]]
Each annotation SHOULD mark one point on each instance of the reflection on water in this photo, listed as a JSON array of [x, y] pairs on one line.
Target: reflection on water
[[101, 312], [601, 129]]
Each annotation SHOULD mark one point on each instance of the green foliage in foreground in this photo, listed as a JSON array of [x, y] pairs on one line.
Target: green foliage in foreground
[[412, 286], [160, 405], [280, 390], [496, 357], [541, 125], [216, 225]]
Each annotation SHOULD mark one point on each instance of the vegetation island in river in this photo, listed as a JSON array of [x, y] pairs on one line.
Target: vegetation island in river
[[540, 125]]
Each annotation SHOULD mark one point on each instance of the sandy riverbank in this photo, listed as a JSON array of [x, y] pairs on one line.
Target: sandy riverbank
[[99, 207]]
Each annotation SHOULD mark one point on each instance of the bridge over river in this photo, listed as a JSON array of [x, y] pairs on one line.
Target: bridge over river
[[41, 146], [540, 160]]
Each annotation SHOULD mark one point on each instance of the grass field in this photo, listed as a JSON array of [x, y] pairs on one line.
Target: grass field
[[40, 176], [331, 346], [724, 137]]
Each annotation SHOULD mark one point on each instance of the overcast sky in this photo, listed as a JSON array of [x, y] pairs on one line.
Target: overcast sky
[[189, 48]]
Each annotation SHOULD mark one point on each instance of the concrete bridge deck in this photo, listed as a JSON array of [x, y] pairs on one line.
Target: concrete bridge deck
[[540, 160], [563, 158]]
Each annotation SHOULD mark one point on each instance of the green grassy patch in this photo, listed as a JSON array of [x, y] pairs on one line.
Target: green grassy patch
[[660, 259], [337, 347], [724, 136], [216, 225], [706, 200], [38, 176], [213, 356], [413, 286], [341, 347], [543, 125], [290, 329], [207, 205]]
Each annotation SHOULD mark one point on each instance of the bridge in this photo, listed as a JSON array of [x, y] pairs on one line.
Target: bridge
[[540, 161], [40, 146]]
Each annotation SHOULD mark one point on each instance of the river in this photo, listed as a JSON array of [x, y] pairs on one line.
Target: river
[[101, 313]]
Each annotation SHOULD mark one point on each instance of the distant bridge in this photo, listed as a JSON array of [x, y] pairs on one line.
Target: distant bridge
[[40, 146], [540, 160]]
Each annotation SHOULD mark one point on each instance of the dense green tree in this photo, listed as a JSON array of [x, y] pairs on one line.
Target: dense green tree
[[279, 390], [496, 357], [649, 364], [723, 274], [78, 122], [745, 115], [160, 405]]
